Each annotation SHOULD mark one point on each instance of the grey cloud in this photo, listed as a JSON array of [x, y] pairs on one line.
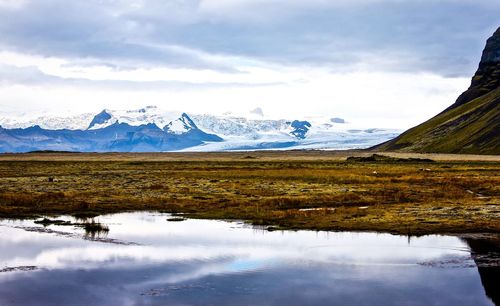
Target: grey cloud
[[24, 75], [444, 37], [86, 30], [33, 76]]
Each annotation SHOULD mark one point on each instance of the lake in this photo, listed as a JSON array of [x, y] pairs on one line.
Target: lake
[[142, 258]]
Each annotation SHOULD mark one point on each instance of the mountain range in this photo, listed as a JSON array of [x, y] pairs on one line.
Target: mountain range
[[151, 129], [470, 125]]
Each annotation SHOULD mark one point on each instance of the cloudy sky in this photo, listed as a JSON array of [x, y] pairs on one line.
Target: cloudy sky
[[386, 63]]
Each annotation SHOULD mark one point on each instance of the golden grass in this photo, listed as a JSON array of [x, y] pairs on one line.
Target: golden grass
[[297, 190]]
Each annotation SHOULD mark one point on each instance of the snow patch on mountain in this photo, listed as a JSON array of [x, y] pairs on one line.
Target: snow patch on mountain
[[228, 126], [142, 116], [73, 122], [181, 125]]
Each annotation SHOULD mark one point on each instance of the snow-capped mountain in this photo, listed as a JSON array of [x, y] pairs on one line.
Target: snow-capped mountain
[[152, 129], [181, 125], [146, 115]]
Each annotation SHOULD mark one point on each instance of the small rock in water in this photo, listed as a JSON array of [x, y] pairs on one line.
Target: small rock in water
[[46, 221], [176, 219]]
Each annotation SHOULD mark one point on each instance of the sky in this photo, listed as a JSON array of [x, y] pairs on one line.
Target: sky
[[384, 63]]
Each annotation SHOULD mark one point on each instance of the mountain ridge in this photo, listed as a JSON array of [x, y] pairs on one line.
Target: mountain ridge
[[152, 130], [471, 125], [487, 76]]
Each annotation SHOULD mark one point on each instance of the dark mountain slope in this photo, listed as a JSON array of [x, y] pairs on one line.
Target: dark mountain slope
[[471, 125], [487, 76]]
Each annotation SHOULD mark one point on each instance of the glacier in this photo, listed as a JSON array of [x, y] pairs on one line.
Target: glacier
[[151, 129]]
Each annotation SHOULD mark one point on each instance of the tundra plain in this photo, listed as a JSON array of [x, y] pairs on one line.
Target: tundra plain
[[411, 194]]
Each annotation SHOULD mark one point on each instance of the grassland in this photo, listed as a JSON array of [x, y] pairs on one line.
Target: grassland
[[472, 127], [292, 190]]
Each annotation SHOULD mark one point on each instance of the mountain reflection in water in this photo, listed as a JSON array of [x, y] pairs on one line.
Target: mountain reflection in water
[[486, 254], [142, 258]]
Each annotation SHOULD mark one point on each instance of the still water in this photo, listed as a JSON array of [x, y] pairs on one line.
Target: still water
[[144, 259]]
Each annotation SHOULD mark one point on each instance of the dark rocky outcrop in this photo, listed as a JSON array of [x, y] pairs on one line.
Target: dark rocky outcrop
[[100, 118], [300, 128], [487, 76]]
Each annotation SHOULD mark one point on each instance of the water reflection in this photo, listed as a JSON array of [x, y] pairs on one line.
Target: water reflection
[[486, 254], [95, 230], [145, 259]]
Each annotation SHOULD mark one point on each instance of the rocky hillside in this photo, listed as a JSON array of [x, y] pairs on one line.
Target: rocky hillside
[[487, 77], [471, 125]]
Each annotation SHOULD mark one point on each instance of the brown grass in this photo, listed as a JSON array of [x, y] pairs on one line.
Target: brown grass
[[271, 188]]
